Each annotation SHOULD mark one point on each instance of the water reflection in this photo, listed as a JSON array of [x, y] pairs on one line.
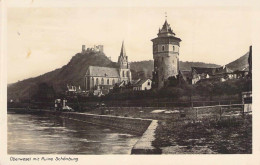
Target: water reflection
[[33, 134]]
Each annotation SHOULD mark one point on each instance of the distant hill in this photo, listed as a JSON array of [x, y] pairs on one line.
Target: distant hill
[[73, 73], [240, 63], [143, 69]]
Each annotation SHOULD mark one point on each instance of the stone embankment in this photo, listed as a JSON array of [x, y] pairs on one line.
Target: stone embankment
[[144, 144], [130, 125]]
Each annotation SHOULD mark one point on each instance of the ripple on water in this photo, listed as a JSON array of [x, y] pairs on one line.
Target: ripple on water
[[89, 141], [29, 134]]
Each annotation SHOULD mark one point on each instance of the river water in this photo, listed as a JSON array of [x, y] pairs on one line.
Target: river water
[[34, 134]]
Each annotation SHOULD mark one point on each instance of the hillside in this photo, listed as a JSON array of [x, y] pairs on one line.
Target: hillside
[[240, 63], [143, 69], [72, 73]]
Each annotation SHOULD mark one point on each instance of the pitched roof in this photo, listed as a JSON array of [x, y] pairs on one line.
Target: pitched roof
[[200, 70], [121, 84], [222, 70], [103, 71], [140, 82], [246, 69], [186, 73], [212, 71]]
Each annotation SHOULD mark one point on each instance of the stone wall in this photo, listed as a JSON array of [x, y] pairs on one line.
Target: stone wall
[[130, 125]]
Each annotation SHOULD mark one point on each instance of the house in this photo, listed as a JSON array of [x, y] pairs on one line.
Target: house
[[73, 89], [212, 74], [144, 84], [186, 75], [241, 73], [247, 101]]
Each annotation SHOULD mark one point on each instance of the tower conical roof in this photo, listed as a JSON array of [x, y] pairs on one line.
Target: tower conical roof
[[123, 53], [166, 28]]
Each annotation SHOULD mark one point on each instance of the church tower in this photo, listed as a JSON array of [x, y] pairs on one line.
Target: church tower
[[124, 67], [165, 55]]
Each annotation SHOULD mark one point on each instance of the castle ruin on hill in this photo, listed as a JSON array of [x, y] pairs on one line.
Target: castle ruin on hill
[[95, 48]]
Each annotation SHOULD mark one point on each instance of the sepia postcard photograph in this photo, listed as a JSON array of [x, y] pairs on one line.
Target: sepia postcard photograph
[[162, 80]]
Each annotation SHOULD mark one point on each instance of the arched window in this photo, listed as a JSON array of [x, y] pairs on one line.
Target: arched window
[[123, 73], [107, 81], [163, 48], [93, 82], [113, 81], [102, 81], [173, 48], [97, 81]]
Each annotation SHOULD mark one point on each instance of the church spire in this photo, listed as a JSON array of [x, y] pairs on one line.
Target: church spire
[[123, 53]]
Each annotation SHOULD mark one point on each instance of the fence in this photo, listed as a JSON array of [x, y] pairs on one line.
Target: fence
[[172, 104], [128, 104], [220, 110]]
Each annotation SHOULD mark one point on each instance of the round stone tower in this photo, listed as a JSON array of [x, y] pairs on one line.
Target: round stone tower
[[165, 55]]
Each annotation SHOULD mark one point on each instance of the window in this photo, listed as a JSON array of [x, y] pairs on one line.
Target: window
[[148, 83], [113, 81], [173, 48], [97, 81], [123, 74], [102, 81], [107, 81], [163, 48], [93, 81], [127, 73]]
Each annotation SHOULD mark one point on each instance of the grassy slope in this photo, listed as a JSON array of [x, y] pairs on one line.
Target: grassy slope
[[240, 63]]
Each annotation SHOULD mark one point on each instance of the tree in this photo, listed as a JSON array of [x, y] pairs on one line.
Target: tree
[[44, 92], [205, 89]]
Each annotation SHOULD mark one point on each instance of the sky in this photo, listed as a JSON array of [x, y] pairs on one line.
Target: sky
[[41, 39]]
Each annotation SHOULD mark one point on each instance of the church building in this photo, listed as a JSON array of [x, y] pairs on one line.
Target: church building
[[165, 55], [98, 77]]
